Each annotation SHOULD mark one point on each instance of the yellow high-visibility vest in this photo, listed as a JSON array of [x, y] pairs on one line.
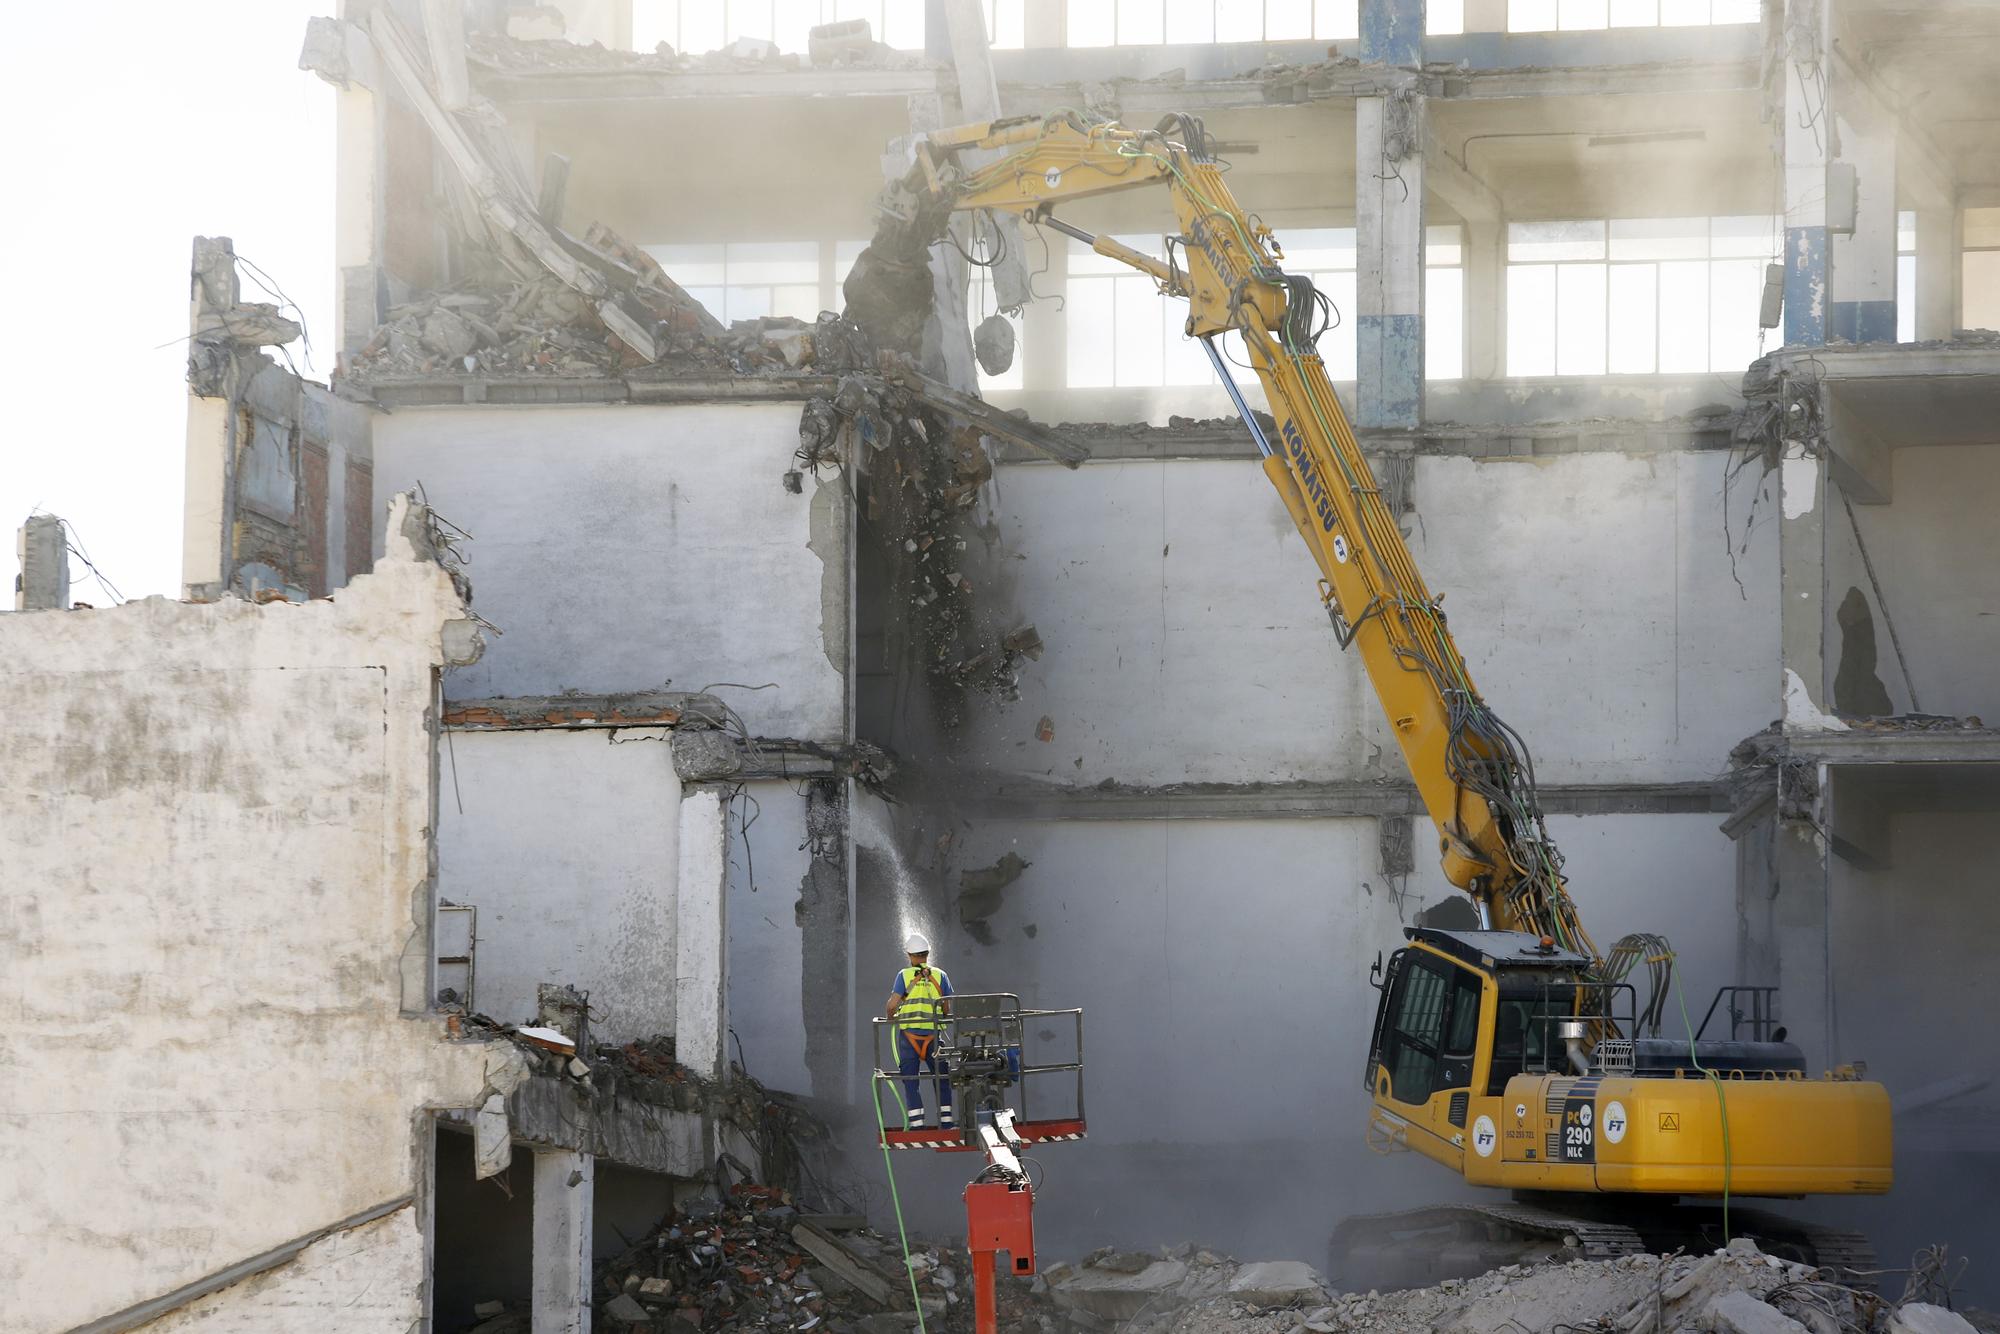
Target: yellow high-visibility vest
[[921, 998]]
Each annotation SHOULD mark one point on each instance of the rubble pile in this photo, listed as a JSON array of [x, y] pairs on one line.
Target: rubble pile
[[745, 55], [753, 1261], [542, 327], [1738, 1290], [1185, 1288]]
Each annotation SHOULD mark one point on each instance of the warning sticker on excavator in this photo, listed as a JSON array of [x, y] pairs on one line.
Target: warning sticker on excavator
[[1670, 1121]]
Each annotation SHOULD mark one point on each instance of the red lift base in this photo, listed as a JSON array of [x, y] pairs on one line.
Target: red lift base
[[999, 1216]]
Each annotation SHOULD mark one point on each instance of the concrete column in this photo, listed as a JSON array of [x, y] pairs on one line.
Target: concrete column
[[701, 935], [565, 1187], [1800, 916], [1485, 298], [1808, 147], [979, 99], [1803, 497], [1938, 243], [43, 584], [1862, 283], [1389, 220]]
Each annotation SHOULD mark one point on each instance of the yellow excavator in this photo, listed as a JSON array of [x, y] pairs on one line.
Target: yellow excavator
[[1515, 1054]]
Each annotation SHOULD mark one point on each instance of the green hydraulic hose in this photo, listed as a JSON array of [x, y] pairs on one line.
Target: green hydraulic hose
[[1721, 1100], [902, 1234]]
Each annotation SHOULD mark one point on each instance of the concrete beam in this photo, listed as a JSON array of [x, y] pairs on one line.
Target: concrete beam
[[1026, 800], [548, 1111], [1458, 185], [565, 1188], [1228, 440], [645, 708]]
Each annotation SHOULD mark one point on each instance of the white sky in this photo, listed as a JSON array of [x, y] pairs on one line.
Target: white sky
[[137, 125]]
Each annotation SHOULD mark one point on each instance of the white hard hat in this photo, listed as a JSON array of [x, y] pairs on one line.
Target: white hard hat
[[916, 943]]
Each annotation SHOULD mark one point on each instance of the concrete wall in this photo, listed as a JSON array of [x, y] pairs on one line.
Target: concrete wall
[[216, 913], [620, 547], [1222, 967], [1590, 593], [766, 933], [567, 844], [1932, 548]]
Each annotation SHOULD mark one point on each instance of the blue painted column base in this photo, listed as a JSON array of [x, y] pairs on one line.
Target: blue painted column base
[[1805, 287], [1390, 365]]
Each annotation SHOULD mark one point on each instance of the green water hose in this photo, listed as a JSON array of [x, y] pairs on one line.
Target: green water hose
[[1721, 1100], [902, 1233]]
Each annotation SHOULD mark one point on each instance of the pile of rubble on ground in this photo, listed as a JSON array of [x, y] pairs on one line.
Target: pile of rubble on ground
[[1738, 1290], [753, 1261]]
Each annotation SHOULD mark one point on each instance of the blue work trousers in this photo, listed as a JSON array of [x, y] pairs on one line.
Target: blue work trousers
[[914, 1051]]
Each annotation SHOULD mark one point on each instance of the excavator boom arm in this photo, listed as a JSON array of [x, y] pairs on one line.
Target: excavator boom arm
[[1471, 770]]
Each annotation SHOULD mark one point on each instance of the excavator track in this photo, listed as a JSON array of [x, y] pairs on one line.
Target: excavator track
[[1420, 1247]]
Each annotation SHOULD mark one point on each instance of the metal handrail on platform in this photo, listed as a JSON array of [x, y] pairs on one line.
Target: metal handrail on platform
[[982, 1047]]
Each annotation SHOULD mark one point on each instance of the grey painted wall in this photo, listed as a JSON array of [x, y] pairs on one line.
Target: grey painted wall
[[567, 844], [1934, 553], [1591, 594], [622, 546]]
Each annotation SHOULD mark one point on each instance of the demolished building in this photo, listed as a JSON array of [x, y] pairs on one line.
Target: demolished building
[[735, 565]]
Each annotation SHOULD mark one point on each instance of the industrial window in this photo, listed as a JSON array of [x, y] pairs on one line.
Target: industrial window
[[746, 280], [1122, 332], [1636, 296], [698, 26], [1980, 269], [1906, 277], [1581, 15], [1444, 303], [1006, 24], [1153, 22]]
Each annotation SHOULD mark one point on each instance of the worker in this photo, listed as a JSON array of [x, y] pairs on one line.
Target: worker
[[922, 996]]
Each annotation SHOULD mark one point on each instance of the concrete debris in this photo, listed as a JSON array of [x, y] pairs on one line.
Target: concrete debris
[[1923, 1318], [1184, 1289], [1737, 1289], [993, 344], [520, 52], [494, 328], [751, 1261]]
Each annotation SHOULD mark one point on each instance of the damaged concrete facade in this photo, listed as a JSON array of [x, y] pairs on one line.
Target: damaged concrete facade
[[1625, 576], [1132, 769], [252, 884]]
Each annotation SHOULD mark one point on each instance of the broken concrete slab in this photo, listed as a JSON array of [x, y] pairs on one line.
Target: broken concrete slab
[[1924, 1318], [1111, 1295], [1271, 1283], [1740, 1313]]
